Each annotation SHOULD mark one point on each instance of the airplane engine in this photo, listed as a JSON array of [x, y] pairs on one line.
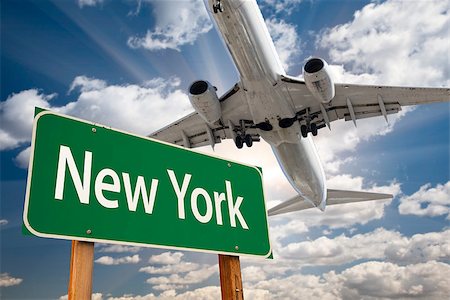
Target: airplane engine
[[204, 99], [318, 80]]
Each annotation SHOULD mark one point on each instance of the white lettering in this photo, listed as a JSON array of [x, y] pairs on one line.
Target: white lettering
[[218, 198], [101, 186], [234, 209], [194, 205], [180, 192], [140, 189], [66, 158]]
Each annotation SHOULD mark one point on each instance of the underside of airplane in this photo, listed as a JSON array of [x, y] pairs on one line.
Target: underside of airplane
[[281, 109]]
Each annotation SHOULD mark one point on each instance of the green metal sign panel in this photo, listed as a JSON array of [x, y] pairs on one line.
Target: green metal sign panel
[[93, 183]]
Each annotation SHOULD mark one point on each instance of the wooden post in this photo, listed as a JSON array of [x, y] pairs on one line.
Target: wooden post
[[81, 266], [230, 277]]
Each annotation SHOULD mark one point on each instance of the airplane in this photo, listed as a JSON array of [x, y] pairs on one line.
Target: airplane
[[283, 110]]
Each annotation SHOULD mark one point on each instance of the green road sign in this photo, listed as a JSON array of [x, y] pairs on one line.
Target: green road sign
[[93, 183]]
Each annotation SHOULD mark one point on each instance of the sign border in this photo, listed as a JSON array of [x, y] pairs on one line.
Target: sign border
[[95, 240]]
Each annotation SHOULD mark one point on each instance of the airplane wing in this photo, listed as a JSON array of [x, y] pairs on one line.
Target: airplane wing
[[353, 102], [334, 197], [192, 131]]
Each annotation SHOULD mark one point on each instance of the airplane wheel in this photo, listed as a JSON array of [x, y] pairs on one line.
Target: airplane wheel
[[239, 142], [217, 8], [304, 131], [248, 140], [314, 129]]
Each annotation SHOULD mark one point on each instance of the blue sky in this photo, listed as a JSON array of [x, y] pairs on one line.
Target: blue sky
[[128, 64]]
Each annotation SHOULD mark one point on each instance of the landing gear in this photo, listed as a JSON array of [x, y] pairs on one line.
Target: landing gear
[[304, 131], [311, 128], [240, 135], [248, 140], [241, 139], [217, 7], [239, 142]]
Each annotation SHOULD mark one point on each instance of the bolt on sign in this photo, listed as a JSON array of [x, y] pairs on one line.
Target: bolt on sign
[[92, 183]]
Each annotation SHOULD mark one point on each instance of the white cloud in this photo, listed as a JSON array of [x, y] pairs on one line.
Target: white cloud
[[180, 267], [16, 117], [191, 277], [253, 274], [427, 201], [3, 222], [6, 280], [178, 23], [95, 296], [117, 248], [392, 38], [204, 293], [87, 84], [177, 274], [420, 248], [109, 261], [134, 108], [380, 244], [23, 159], [286, 40], [166, 258], [82, 3], [281, 6], [379, 279], [371, 280]]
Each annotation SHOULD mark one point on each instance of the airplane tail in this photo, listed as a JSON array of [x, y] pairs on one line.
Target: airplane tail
[[333, 197]]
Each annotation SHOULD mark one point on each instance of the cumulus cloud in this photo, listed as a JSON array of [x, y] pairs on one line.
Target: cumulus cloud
[[413, 35], [427, 201], [178, 23], [387, 280], [23, 158], [181, 267], [204, 293], [286, 40], [176, 273], [95, 296], [117, 248], [379, 244], [371, 280], [16, 117], [87, 84], [125, 107], [109, 261], [6, 280], [166, 258], [181, 281]]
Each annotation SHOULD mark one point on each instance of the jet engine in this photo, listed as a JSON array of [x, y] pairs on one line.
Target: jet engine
[[318, 80], [204, 99]]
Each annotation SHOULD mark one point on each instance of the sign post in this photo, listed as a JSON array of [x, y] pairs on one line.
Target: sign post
[[230, 277], [81, 267]]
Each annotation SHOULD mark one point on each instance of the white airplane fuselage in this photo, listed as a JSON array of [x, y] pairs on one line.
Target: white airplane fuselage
[[244, 32]]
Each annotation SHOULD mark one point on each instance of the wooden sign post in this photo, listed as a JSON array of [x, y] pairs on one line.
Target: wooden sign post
[[230, 277], [81, 267]]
